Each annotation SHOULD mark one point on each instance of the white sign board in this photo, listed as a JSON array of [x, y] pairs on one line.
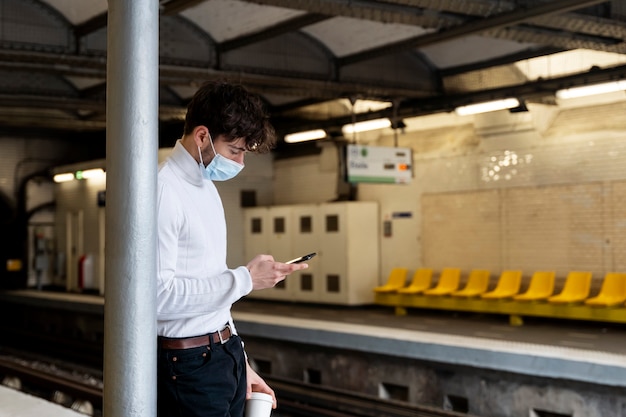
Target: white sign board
[[378, 164]]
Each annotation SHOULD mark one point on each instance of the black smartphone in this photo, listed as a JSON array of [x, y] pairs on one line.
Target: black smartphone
[[301, 259]]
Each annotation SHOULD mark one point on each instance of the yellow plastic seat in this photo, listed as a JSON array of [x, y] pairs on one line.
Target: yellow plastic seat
[[448, 282], [508, 285], [395, 281], [576, 289], [540, 288], [477, 284], [612, 292], [421, 281]]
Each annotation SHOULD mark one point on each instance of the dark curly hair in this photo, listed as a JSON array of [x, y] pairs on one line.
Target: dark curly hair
[[231, 110]]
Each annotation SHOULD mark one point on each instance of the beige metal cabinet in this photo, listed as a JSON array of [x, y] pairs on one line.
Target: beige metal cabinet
[[345, 236]]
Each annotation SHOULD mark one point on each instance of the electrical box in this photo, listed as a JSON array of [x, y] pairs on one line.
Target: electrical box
[[345, 236]]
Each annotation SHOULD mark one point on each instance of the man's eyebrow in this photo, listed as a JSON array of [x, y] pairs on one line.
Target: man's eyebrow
[[239, 148]]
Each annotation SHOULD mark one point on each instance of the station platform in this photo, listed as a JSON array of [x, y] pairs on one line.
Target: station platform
[[14, 403], [589, 352]]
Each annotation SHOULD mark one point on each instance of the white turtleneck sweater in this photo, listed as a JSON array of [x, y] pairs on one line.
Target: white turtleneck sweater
[[195, 288]]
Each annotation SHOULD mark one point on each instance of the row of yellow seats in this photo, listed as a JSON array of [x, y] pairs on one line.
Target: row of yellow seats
[[541, 288]]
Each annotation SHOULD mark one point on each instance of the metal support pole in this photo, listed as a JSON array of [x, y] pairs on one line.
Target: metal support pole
[[132, 147]]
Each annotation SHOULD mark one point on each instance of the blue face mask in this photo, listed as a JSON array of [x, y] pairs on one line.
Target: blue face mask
[[220, 168]]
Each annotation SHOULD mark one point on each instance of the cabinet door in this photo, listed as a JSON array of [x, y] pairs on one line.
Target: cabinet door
[[256, 234], [256, 237], [274, 239], [281, 232], [362, 251], [306, 284], [350, 264], [333, 260]]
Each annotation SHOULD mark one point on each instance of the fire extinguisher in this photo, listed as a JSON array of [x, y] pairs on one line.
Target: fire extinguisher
[[81, 272], [85, 273]]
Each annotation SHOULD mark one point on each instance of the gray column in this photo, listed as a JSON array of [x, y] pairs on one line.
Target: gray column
[[132, 147]]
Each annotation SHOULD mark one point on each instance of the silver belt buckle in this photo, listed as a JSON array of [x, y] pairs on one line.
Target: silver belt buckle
[[219, 334]]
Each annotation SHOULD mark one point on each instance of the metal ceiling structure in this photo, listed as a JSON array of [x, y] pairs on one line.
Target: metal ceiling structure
[[309, 59]]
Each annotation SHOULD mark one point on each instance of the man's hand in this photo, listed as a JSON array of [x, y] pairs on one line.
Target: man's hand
[[266, 272], [257, 384]]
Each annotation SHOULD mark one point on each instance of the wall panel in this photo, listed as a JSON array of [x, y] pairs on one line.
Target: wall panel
[[560, 227], [462, 230], [555, 228], [617, 233]]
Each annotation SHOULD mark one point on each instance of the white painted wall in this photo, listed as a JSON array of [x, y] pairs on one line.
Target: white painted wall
[[572, 160]]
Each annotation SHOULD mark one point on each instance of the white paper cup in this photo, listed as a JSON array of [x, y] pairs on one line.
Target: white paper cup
[[259, 405]]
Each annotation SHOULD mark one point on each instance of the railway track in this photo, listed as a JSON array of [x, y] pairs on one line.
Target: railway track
[[83, 392], [65, 385], [299, 399]]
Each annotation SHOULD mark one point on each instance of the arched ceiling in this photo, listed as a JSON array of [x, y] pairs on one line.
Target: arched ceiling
[[312, 59]]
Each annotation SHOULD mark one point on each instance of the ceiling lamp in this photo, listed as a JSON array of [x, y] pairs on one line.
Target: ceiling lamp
[[365, 126], [79, 175], [590, 90], [90, 173], [487, 106], [305, 136], [66, 176]]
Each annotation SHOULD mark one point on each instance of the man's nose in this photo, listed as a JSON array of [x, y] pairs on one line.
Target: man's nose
[[239, 158]]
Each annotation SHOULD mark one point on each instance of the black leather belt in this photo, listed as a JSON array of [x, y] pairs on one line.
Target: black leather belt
[[220, 336]]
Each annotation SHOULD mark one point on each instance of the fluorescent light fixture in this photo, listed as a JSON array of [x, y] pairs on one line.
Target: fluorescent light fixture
[[487, 106], [590, 90], [66, 176], [306, 135], [90, 173], [365, 126], [80, 175]]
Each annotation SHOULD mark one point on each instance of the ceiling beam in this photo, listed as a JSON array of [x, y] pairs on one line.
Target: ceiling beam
[[541, 90], [281, 84], [478, 8], [172, 7], [95, 67], [92, 25], [50, 102], [375, 11], [476, 26], [100, 21], [94, 90], [31, 121], [503, 60], [290, 107], [290, 25]]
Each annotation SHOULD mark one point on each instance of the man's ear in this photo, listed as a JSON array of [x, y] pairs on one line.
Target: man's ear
[[200, 135]]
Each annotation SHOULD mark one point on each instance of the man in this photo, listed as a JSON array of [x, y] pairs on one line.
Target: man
[[202, 367]]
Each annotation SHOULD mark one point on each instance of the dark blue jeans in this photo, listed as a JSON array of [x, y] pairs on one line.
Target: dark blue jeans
[[207, 381]]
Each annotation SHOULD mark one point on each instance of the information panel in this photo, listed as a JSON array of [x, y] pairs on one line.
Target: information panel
[[378, 164]]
